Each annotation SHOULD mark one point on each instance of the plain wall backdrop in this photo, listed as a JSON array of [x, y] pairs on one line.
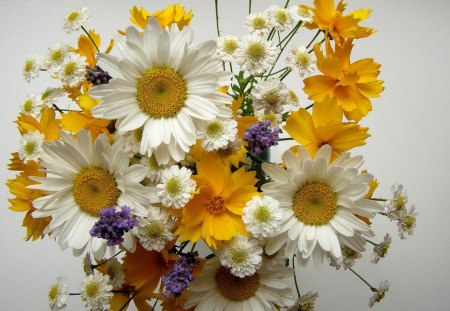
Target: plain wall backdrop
[[409, 144]]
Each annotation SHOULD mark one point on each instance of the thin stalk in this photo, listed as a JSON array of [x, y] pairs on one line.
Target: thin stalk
[[217, 17], [282, 77], [154, 305], [311, 50], [89, 36], [373, 243], [273, 73], [74, 294], [378, 199], [193, 247], [309, 106], [58, 109], [231, 68], [296, 27], [288, 138], [373, 289], [120, 291], [279, 38], [384, 214], [314, 38], [128, 301], [286, 4], [257, 159], [249, 7], [295, 277], [103, 262]]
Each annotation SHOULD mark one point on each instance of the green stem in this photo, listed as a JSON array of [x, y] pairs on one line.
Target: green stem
[[128, 301], [279, 38], [314, 38], [273, 73], [282, 139], [249, 7], [74, 294], [309, 106], [89, 36], [217, 17], [373, 289], [193, 247], [257, 159], [295, 277], [283, 76], [384, 214], [293, 31], [311, 50], [373, 243], [103, 262], [154, 305], [58, 109], [378, 199], [120, 291], [287, 3], [231, 68]]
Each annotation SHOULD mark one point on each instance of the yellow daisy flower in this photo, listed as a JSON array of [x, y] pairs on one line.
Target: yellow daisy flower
[[351, 84], [87, 48], [214, 212], [324, 127], [47, 124], [173, 14]]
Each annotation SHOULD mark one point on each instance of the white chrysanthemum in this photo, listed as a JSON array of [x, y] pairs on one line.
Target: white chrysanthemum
[[226, 46], [380, 293], [31, 67], [301, 61], [32, 105], [153, 169], [75, 19], [320, 201], [56, 56], [274, 118], [262, 216], [301, 13], [132, 141], [114, 270], [50, 96], [217, 287], [176, 186], [83, 178], [155, 230], [242, 255], [270, 95], [258, 23], [305, 302], [31, 146], [280, 17], [349, 257], [380, 250], [72, 70], [166, 84], [396, 208], [218, 134], [96, 292], [256, 54], [57, 294], [407, 223], [87, 264]]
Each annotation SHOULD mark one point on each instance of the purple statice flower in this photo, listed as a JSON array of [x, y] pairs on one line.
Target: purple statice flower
[[113, 224], [96, 75], [178, 279], [261, 136]]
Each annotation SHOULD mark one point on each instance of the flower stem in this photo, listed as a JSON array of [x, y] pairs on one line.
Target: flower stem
[[217, 16], [286, 4], [249, 7], [154, 305], [293, 31], [58, 109], [288, 138], [314, 38], [193, 247], [373, 289], [74, 294], [128, 301], [89, 36], [373, 243], [378, 199], [103, 262], [295, 277], [309, 106], [284, 75], [257, 159]]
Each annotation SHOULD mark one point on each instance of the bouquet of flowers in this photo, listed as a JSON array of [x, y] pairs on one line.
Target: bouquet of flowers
[[151, 159]]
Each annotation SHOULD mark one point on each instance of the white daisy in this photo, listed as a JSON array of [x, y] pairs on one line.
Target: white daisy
[[320, 201], [176, 186], [114, 270], [301, 61], [259, 23], [396, 207], [57, 294], [31, 146], [217, 289], [380, 250], [55, 56], [166, 84], [407, 223], [96, 292], [155, 230], [280, 17], [73, 70], [262, 216], [226, 46], [75, 19], [305, 302], [274, 118], [218, 134], [380, 293], [31, 67], [83, 178], [255, 54], [50, 96], [242, 255], [301, 13], [270, 95], [32, 105]]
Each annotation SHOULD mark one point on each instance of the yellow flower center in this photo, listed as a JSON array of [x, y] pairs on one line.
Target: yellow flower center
[[281, 16], [235, 288], [30, 147], [173, 186], [137, 134], [69, 68], [239, 256], [73, 16], [57, 55], [161, 92], [409, 221], [315, 204], [28, 105], [256, 51], [92, 290], [302, 59], [53, 292], [216, 205], [229, 46], [215, 129], [399, 202], [95, 189], [153, 230], [259, 22], [28, 65], [262, 215], [272, 98]]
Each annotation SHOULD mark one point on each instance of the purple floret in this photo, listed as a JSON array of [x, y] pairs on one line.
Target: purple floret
[[260, 136]]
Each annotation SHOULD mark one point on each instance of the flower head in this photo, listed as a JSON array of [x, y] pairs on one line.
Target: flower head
[[407, 223], [380, 293], [96, 292], [305, 302], [73, 70], [50, 96], [155, 230], [178, 279], [75, 19], [55, 56], [262, 216], [301, 13], [301, 61], [380, 250], [274, 118], [114, 270], [280, 17], [31, 68], [270, 95], [217, 134], [259, 23], [176, 186], [57, 294], [261, 136], [32, 105], [31, 146], [256, 54], [226, 46], [396, 207]]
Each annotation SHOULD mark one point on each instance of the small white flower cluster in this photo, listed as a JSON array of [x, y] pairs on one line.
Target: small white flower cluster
[[155, 230], [176, 186], [397, 210]]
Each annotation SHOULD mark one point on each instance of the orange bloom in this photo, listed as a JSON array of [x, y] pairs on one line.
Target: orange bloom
[[87, 48], [173, 14], [47, 125], [351, 84]]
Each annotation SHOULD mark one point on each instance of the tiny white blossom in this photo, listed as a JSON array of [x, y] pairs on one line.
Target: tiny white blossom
[[155, 230], [255, 54], [301, 61], [96, 292], [274, 118], [31, 146], [396, 207], [31, 67], [115, 272], [407, 223], [50, 96], [73, 70], [280, 17], [380, 293], [57, 294], [380, 250], [32, 105], [259, 23], [56, 56], [217, 134], [301, 13], [75, 19], [262, 216], [270, 95], [176, 186], [305, 302], [226, 46], [87, 264]]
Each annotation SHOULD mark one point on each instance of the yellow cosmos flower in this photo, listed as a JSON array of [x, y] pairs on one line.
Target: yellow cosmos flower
[[87, 48], [331, 19], [229, 156], [173, 14], [47, 124], [351, 84], [323, 127], [214, 212]]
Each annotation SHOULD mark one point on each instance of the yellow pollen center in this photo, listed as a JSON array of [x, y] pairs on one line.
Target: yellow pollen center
[[28, 65], [92, 290], [56, 55], [53, 292], [399, 202], [138, 134], [73, 16], [230, 46], [281, 16], [262, 215], [28, 105], [259, 22], [256, 51], [271, 98], [30, 147], [69, 68], [153, 230], [235, 288], [215, 129], [173, 186], [239, 256], [161, 92], [216, 205], [95, 189], [303, 59], [409, 221], [315, 204]]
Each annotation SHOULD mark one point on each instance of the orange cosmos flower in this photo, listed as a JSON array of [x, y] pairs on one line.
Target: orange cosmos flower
[[351, 84], [173, 14]]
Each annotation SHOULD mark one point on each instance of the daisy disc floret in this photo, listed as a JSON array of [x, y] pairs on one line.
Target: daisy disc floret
[[305, 302], [58, 294], [380, 250], [165, 84], [155, 230], [218, 134], [226, 46], [320, 201], [396, 207], [73, 70], [301, 61], [176, 186], [270, 95], [262, 216], [31, 68], [280, 17], [55, 56], [30, 146], [96, 292], [259, 23], [32, 105], [75, 19], [380, 293], [256, 54]]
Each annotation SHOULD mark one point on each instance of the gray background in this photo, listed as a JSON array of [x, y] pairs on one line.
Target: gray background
[[409, 144]]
